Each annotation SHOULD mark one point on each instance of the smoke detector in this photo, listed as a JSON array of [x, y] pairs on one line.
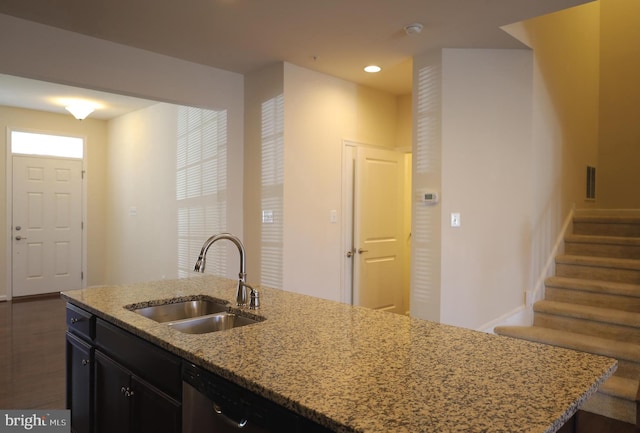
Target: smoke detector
[[413, 29]]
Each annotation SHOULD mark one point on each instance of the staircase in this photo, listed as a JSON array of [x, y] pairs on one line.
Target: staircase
[[592, 304]]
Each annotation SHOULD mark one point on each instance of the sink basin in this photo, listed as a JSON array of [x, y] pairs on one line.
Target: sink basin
[[211, 323], [182, 310]]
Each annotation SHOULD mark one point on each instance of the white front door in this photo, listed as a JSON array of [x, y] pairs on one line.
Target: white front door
[[378, 229], [46, 225]]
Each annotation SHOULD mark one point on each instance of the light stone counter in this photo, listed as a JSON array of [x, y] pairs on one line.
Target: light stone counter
[[356, 370]]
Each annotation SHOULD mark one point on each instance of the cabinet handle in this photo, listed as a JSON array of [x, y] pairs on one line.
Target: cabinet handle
[[85, 362], [242, 424], [74, 320], [126, 391]]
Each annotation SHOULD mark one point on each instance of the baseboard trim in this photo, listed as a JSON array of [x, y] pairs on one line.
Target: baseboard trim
[[521, 316], [29, 298], [3, 298]]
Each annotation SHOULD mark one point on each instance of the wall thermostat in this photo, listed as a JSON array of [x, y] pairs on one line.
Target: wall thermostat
[[429, 197]]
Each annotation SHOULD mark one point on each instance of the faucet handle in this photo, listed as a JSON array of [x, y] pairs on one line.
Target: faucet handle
[[254, 299]]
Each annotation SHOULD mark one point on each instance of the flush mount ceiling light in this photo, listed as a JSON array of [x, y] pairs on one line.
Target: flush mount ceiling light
[[372, 69], [80, 110]]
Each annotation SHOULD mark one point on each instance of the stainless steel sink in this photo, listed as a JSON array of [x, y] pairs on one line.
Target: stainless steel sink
[[211, 323], [182, 310]]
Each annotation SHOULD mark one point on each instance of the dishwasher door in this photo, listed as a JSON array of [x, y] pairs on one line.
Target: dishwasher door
[[201, 415]]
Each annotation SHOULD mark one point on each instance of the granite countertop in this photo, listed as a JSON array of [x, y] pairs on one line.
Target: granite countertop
[[352, 369]]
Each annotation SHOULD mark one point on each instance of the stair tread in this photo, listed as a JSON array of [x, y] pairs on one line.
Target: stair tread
[[604, 240], [606, 213], [622, 387], [587, 312], [607, 219], [611, 287], [585, 343], [599, 261]]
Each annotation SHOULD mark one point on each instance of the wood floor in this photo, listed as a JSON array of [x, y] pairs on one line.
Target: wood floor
[[32, 354]]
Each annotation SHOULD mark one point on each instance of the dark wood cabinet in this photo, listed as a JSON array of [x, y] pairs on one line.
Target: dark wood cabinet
[[154, 411], [126, 403], [112, 382], [117, 382], [80, 360]]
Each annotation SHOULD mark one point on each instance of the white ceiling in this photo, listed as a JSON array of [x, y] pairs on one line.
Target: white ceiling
[[335, 37]]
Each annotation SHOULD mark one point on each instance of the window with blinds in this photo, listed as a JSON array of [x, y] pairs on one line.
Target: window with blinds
[[272, 143], [201, 186]]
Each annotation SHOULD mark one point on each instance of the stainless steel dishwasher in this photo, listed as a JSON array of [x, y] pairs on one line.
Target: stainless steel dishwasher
[[211, 404]]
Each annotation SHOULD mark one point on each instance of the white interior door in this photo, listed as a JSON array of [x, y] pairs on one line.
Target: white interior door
[[47, 225], [378, 229]]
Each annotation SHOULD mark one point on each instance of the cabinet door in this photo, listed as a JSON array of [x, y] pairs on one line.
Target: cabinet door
[[112, 395], [153, 411], [79, 384]]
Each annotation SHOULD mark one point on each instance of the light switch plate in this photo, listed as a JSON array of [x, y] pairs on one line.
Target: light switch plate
[[267, 217], [455, 219]]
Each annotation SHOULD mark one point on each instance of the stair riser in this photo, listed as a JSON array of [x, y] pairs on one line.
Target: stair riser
[[628, 369], [598, 273], [602, 250], [612, 407], [606, 229], [587, 327], [594, 299]]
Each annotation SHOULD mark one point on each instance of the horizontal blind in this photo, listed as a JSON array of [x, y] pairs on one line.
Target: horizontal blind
[[201, 186]]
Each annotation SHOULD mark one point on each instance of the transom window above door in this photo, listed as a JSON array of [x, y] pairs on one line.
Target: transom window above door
[[29, 143]]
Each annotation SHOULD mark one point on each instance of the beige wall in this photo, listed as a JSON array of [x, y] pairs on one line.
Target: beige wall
[[95, 133], [141, 167], [619, 138], [566, 54], [404, 122], [473, 146], [486, 177]]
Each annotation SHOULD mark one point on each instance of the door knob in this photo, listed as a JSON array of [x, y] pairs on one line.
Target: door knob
[[349, 254], [19, 238], [360, 251]]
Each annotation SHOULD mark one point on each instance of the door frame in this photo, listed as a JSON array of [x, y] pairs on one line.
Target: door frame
[[9, 205], [349, 152]]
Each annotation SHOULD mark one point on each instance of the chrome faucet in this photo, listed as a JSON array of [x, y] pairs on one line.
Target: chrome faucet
[[241, 291]]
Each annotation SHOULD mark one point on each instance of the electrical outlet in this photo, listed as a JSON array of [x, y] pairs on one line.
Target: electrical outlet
[[455, 219]]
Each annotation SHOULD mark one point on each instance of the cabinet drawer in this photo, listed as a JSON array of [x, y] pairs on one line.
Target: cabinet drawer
[[81, 322], [144, 359]]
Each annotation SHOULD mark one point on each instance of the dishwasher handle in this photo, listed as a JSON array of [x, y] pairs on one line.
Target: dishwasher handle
[[233, 423]]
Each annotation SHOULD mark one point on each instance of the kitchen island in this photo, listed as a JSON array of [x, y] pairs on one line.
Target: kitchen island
[[351, 369]]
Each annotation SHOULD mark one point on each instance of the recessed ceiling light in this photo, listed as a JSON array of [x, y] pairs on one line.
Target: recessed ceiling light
[[372, 69]]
